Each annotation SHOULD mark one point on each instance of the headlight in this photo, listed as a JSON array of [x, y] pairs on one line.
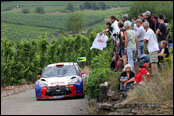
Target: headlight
[[73, 81], [42, 84]]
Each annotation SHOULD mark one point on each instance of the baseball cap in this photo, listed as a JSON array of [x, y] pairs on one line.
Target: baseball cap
[[148, 13], [138, 20], [125, 16]]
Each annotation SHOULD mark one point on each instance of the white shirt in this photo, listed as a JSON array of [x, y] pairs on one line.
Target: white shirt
[[152, 41], [115, 27]]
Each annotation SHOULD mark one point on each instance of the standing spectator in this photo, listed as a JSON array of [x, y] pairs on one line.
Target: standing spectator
[[156, 22], [116, 31], [147, 17], [114, 21], [109, 29], [122, 42], [140, 16], [161, 31], [140, 33], [135, 26], [125, 18], [131, 43], [152, 46]]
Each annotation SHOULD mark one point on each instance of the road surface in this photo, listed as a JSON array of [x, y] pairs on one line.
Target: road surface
[[25, 103]]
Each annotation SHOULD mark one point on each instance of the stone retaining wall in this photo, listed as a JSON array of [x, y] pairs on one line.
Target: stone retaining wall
[[135, 109], [15, 89]]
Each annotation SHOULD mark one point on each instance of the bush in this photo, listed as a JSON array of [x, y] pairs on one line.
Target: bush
[[74, 22], [40, 10], [26, 59], [100, 67], [25, 10], [171, 28], [70, 7]]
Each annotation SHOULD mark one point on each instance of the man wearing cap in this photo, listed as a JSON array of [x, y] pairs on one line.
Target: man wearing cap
[[125, 18], [147, 17], [140, 34]]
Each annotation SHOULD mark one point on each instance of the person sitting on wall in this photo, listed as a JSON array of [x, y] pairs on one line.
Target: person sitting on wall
[[138, 79], [125, 77]]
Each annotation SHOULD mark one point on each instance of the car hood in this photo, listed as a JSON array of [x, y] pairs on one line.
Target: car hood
[[53, 81]]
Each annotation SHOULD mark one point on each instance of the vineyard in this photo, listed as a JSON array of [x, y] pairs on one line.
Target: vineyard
[[54, 5], [17, 26], [26, 59]]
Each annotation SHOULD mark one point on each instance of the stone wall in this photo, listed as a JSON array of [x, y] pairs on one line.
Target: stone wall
[[111, 104], [15, 89]]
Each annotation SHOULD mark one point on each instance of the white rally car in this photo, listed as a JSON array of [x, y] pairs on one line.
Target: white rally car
[[59, 80]]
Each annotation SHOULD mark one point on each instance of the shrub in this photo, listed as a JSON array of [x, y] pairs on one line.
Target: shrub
[[100, 67], [171, 28], [40, 10], [25, 10], [70, 7]]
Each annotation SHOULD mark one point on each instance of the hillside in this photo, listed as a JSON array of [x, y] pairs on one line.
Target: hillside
[[17, 25]]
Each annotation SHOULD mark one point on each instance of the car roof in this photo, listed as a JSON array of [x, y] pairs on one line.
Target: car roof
[[64, 63]]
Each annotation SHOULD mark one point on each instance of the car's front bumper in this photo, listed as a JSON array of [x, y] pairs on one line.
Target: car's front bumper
[[57, 92]]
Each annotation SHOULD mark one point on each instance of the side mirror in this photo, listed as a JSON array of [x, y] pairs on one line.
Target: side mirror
[[38, 76]]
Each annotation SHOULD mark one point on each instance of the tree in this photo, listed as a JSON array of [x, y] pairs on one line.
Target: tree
[[40, 10], [87, 5], [74, 23], [95, 6], [25, 10], [70, 7], [102, 5], [81, 7]]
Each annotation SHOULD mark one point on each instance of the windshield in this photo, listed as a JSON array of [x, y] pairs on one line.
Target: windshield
[[61, 71]]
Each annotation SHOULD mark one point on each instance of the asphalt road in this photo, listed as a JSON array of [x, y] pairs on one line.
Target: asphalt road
[[25, 104]]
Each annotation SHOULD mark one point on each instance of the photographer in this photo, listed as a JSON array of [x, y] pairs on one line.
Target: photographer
[[115, 32]]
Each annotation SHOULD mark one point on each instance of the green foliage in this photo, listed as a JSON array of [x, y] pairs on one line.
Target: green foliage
[[74, 22], [40, 10], [26, 59], [171, 28], [20, 32], [70, 7], [100, 66], [20, 26], [155, 7], [51, 6], [25, 10]]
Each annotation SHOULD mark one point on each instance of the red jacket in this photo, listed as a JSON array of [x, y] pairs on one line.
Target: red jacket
[[138, 76]]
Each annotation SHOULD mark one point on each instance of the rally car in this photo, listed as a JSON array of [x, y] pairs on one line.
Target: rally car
[[59, 80]]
